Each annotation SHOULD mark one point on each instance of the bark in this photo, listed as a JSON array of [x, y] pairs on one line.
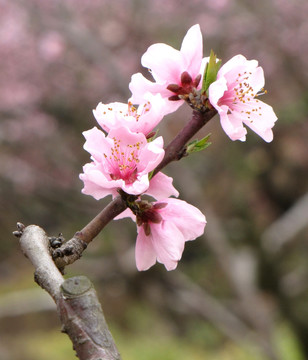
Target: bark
[[76, 300], [83, 320]]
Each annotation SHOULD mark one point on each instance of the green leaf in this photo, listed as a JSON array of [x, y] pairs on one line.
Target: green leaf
[[198, 145], [210, 72]]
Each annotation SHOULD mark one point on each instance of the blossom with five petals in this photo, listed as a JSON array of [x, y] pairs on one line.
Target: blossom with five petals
[[175, 72], [120, 160], [163, 228], [142, 119], [235, 96]]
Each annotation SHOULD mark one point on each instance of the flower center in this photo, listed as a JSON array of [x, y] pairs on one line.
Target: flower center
[[132, 110], [122, 162], [147, 213], [187, 86], [241, 94]]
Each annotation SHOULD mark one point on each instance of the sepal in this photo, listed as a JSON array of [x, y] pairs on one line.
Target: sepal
[[198, 145]]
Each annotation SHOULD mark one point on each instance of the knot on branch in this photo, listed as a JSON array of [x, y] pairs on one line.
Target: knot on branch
[[20, 229], [68, 252]]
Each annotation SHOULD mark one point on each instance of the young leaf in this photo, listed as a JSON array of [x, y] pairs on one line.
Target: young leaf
[[210, 73], [198, 145]]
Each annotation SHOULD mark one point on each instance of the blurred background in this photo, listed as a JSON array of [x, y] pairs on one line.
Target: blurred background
[[241, 290]]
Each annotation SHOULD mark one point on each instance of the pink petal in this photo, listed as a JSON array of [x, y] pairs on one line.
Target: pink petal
[[126, 136], [256, 79], [95, 183], [261, 121], [192, 50], [235, 62], [188, 219], [216, 91], [107, 115], [148, 120], [165, 63], [96, 142], [168, 243], [144, 251], [126, 213], [161, 187], [232, 125], [152, 155], [139, 186]]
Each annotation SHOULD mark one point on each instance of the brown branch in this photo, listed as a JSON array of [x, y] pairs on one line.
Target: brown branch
[[176, 149], [77, 304], [73, 249], [83, 320]]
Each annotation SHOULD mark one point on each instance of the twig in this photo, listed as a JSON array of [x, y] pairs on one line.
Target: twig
[[73, 249], [176, 149]]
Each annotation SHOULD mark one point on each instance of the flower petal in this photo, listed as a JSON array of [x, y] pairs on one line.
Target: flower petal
[[192, 50], [262, 121], [107, 115], [188, 219], [216, 91], [152, 155], [96, 142], [126, 213], [161, 187], [144, 252], [164, 61], [232, 125], [168, 242], [95, 183], [137, 187]]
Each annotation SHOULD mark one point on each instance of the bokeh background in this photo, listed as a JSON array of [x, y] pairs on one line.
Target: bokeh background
[[241, 290]]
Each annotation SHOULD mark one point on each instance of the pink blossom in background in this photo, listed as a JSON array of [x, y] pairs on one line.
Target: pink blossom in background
[[121, 160], [163, 231], [175, 72], [142, 119], [235, 96], [51, 46]]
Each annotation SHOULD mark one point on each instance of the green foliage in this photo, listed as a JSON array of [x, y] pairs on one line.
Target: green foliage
[[198, 145], [210, 73]]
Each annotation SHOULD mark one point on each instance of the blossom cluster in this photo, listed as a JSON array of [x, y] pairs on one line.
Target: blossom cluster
[[125, 150]]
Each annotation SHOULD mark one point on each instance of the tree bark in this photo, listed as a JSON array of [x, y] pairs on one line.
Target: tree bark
[[77, 304]]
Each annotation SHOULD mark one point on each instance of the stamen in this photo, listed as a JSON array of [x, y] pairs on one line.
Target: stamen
[[123, 161]]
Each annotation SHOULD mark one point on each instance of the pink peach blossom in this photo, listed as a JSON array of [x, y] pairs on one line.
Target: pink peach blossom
[[163, 228], [235, 96], [120, 160], [175, 72], [142, 119]]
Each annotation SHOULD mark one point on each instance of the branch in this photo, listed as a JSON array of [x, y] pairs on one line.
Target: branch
[[34, 244], [77, 304], [176, 149], [73, 249], [83, 320]]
